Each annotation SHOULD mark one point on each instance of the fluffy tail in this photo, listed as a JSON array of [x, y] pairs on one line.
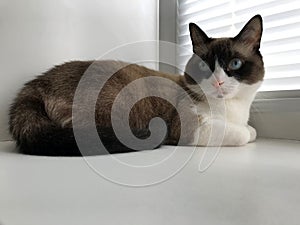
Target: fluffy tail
[[36, 134]]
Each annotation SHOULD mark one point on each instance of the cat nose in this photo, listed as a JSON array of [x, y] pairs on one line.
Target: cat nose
[[218, 83]]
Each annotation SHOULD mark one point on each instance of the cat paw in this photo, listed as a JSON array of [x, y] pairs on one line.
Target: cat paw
[[252, 132], [236, 135], [238, 139], [223, 134]]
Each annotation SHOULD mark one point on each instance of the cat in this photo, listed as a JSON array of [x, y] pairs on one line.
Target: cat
[[221, 69]]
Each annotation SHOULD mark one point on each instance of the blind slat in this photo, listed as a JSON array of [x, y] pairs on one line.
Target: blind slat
[[196, 6], [283, 83]]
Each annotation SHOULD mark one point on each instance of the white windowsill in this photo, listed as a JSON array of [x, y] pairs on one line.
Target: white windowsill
[[254, 184]]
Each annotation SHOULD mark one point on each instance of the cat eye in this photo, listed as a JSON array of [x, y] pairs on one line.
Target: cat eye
[[235, 64], [203, 66]]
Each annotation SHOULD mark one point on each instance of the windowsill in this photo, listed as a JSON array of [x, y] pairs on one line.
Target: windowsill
[[278, 94], [250, 183]]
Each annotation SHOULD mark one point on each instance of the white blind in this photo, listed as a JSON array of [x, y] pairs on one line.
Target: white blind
[[280, 45]]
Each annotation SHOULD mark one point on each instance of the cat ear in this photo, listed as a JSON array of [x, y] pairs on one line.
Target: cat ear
[[199, 38], [251, 33]]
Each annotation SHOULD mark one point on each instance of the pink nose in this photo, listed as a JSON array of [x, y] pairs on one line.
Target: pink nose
[[218, 83]]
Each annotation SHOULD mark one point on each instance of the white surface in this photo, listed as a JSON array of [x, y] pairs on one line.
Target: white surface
[[35, 35], [256, 184]]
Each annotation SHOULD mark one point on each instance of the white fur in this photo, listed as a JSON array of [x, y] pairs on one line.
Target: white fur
[[227, 125]]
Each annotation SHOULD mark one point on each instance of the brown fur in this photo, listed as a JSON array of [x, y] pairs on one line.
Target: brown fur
[[55, 90]]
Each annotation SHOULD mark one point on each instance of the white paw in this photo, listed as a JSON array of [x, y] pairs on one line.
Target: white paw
[[253, 133], [238, 137], [223, 134], [235, 135]]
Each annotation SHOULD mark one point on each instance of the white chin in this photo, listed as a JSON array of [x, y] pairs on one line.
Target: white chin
[[224, 96]]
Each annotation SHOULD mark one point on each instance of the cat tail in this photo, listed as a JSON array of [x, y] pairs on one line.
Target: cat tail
[[36, 134]]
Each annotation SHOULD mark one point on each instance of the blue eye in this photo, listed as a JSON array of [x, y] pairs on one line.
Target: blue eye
[[203, 66], [235, 64]]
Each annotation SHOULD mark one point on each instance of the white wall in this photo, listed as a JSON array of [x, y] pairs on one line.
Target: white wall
[[37, 34]]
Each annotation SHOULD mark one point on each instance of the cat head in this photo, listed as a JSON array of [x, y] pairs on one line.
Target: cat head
[[226, 67]]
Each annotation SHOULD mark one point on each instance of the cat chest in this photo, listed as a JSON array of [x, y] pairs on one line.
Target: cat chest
[[228, 110]]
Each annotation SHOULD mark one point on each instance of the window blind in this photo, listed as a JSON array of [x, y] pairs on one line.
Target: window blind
[[280, 45]]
